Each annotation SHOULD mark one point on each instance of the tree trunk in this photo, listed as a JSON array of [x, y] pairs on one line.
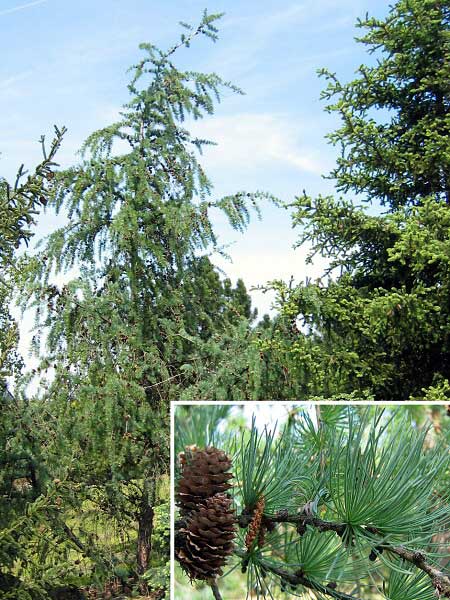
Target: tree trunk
[[145, 527]]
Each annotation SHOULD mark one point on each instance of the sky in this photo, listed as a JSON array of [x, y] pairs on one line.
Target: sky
[[273, 416], [65, 63]]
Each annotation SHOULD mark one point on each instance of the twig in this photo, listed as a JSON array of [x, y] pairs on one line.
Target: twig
[[305, 519], [298, 578], [215, 590], [148, 387]]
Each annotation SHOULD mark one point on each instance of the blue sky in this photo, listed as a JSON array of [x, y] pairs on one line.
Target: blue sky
[[65, 62]]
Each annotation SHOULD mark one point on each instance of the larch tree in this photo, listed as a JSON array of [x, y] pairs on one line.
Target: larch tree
[[131, 329]]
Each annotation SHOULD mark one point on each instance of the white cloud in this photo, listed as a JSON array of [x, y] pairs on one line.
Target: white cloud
[[8, 82], [258, 140], [14, 9], [266, 24], [257, 267]]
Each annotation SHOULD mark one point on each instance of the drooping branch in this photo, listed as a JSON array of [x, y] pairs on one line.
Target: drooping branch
[[440, 580], [59, 523], [70, 535]]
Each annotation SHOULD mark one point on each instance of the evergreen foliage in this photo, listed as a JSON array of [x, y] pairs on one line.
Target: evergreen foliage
[[376, 323], [347, 502], [131, 313], [127, 302], [395, 124], [21, 506], [20, 202]]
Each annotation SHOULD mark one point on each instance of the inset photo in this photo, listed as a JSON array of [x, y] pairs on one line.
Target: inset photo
[[313, 501]]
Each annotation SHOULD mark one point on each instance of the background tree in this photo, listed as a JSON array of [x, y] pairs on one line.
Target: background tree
[[377, 322], [20, 506], [19, 204], [329, 507]]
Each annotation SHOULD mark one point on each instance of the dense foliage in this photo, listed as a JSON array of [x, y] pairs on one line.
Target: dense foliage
[[131, 312], [127, 302], [377, 323], [343, 502], [20, 503]]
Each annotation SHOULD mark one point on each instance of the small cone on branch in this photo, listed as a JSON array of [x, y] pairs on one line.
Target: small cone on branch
[[206, 540], [256, 527], [203, 474]]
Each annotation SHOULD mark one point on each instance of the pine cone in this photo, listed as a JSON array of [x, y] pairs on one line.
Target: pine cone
[[204, 473], [206, 540]]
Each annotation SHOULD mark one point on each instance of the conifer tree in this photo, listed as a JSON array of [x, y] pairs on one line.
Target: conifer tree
[[377, 322], [395, 126], [20, 202], [20, 509], [345, 502], [126, 334]]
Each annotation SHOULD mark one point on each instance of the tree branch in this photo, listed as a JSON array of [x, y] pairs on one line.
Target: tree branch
[[298, 578], [87, 550], [148, 387], [215, 590], [302, 519], [440, 580]]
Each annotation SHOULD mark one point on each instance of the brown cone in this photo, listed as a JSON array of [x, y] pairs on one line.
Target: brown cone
[[204, 473], [206, 540], [256, 528]]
